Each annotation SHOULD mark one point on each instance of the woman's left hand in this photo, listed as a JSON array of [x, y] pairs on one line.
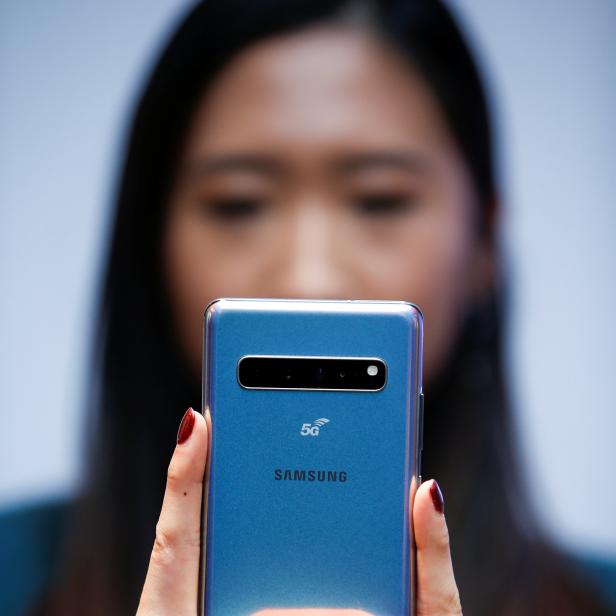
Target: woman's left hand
[[171, 584]]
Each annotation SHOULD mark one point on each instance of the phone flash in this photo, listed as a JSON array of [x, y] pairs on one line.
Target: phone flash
[[373, 370]]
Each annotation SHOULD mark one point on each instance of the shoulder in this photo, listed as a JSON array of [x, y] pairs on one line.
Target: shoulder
[[30, 536], [599, 572]]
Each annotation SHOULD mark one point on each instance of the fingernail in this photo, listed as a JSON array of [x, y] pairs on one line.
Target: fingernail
[[437, 497], [186, 426]]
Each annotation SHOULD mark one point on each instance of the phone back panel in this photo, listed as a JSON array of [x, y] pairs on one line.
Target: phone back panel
[[309, 521]]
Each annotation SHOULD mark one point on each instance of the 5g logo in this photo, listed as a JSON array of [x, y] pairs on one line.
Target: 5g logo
[[314, 428]]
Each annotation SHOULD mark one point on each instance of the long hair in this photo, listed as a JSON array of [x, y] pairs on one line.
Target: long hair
[[142, 382]]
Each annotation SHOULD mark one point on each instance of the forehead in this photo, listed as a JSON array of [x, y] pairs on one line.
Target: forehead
[[322, 87]]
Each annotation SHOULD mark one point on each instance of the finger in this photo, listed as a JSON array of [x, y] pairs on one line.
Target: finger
[[437, 593], [171, 583]]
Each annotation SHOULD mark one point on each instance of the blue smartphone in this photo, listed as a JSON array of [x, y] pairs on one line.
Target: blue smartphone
[[315, 408]]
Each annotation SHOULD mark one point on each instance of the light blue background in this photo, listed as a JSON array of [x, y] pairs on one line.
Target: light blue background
[[68, 72]]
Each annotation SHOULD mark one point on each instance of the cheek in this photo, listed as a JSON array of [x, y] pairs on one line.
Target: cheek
[[195, 274], [429, 263], [441, 284], [442, 298], [186, 286], [201, 265]]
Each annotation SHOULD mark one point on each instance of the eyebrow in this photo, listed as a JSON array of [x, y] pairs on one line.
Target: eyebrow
[[225, 163], [387, 159], [263, 164]]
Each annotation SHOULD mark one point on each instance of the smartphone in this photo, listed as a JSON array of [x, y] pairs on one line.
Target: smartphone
[[315, 409]]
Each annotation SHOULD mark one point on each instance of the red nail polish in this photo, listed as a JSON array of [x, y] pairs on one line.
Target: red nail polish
[[187, 425], [437, 497]]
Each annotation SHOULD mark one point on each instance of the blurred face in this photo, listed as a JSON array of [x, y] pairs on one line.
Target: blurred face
[[318, 165]]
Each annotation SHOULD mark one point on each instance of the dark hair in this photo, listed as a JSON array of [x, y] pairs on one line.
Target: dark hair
[[143, 382]]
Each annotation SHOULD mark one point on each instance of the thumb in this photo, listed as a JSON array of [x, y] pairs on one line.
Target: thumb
[[171, 584], [437, 593]]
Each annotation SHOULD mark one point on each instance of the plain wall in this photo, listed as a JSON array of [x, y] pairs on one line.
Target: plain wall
[[68, 77]]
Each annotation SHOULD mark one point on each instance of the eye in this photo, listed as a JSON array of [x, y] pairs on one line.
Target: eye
[[232, 209], [376, 204]]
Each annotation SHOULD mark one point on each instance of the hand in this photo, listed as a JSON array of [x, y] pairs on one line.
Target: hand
[[171, 584]]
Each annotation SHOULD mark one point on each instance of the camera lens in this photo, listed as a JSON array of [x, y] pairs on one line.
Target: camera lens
[[320, 373], [289, 374]]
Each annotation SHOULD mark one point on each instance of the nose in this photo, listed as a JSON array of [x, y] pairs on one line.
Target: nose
[[308, 264]]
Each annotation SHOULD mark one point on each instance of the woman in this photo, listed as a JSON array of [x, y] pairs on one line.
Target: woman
[[307, 149]]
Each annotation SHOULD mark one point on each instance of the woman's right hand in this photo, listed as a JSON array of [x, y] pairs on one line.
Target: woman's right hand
[[171, 584]]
